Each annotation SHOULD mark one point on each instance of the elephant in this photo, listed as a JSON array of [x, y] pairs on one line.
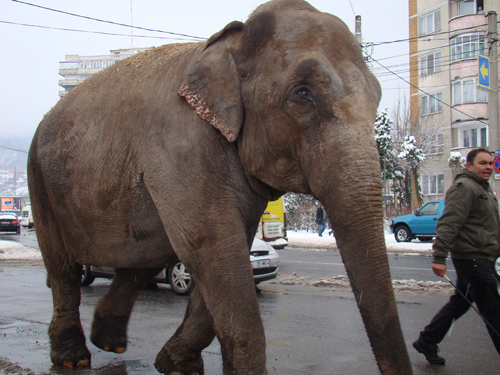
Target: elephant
[[173, 153]]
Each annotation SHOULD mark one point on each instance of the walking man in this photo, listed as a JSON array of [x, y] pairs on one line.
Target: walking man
[[321, 220], [469, 230]]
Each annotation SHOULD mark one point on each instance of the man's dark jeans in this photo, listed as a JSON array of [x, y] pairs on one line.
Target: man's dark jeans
[[475, 280]]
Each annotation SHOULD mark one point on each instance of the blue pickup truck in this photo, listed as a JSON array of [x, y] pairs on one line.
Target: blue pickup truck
[[421, 224]]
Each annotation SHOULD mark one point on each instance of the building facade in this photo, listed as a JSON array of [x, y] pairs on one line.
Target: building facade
[[446, 37], [75, 68]]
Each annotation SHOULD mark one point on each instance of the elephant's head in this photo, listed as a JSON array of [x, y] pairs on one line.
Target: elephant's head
[[291, 87]]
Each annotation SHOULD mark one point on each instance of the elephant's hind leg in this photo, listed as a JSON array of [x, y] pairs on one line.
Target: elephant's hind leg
[[112, 312], [182, 353], [65, 331]]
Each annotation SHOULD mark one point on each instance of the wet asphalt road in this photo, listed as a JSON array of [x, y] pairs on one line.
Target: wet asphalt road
[[308, 330]]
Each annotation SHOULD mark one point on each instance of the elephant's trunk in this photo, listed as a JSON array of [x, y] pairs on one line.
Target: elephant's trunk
[[354, 208]]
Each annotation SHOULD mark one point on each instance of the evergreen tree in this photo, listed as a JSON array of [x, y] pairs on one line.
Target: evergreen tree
[[383, 137], [412, 157], [300, 211], [456, 161]]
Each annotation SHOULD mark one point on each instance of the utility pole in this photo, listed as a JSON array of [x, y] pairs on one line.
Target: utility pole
[[493, 112], [357, 32], [15, 174]]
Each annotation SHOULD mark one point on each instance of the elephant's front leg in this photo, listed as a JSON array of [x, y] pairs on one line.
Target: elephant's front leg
[[228, 290], [112, 312], [182, 353]]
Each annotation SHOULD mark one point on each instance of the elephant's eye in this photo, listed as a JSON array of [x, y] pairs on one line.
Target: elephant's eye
[[305, 94]]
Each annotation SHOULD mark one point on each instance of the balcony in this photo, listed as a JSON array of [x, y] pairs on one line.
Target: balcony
[[470, 23], [468, 110]]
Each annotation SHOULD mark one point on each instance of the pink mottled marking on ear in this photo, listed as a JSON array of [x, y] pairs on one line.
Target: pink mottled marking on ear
[[201, 107]]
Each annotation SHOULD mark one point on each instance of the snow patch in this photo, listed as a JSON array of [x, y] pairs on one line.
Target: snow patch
[[342, 281], [12, 250], [308, 240]]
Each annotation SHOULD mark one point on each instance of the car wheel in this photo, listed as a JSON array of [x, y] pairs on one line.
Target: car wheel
[[497, 267], [179, 279], [18, 231], [87, 277], [402, 234]]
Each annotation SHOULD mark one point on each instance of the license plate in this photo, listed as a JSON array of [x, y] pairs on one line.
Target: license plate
[[260, 263], [5, 222]]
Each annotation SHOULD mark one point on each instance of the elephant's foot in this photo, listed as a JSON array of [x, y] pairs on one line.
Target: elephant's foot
[[192, 365], [68, 348], [110, 333]]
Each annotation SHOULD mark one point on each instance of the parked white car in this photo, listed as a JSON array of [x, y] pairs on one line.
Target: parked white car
[[264, 259]]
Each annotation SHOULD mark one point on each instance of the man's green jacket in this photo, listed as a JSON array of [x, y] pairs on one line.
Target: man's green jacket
[[469, 227]]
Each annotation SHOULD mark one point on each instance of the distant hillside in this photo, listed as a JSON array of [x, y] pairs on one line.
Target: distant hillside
[[13, 159]]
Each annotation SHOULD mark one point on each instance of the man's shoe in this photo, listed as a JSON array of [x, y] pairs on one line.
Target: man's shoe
[[430, 351]]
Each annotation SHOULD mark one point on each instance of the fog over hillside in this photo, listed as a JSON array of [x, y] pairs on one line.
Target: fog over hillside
[[13, 159]]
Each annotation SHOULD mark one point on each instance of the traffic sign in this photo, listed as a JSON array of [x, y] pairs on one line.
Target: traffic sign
[[483, 63], [496, 163]]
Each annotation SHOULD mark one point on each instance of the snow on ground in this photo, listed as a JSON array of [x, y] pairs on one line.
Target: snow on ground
[[312, 240], [296, 240], [308, 240], [13, 250]]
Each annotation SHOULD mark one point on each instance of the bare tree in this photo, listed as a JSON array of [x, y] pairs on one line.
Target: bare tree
[[427, 139]]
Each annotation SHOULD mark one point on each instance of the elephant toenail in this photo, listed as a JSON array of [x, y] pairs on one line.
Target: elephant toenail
[[83, 363]]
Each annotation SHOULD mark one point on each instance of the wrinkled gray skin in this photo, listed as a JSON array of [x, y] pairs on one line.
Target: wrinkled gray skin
[[174, 153]]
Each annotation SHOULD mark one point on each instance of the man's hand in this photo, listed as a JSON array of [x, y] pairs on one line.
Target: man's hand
[[439, 269]]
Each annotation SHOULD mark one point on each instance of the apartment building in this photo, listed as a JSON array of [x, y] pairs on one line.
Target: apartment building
[[446, 38], [76, 68]]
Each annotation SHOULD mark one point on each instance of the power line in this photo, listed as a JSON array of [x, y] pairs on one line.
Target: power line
[[419, 89], [13, 149], [89, 31], [374, 44], [353, 12], [105, 21]]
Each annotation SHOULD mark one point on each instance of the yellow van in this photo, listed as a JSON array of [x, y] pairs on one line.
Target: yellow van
[[272, 226]]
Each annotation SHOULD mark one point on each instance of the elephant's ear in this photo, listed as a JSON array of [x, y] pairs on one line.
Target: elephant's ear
[[212, 86]]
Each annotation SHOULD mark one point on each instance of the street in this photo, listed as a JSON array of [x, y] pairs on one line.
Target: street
[[309, 330], [312, 263]]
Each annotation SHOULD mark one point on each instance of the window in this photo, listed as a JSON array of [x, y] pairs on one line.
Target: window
[[430, 23], [470, 7], [467, 47], [432, 103], [436, 144], [68, 65], [474, 137], [465, 91], [466, 7], [430, 63], [433, 184], [429, 209]]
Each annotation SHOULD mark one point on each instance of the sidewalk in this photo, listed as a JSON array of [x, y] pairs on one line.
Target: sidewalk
[[309, 240]]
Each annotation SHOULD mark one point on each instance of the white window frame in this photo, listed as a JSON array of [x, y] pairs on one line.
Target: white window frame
[[430, 23], [470, 46], [473, 136], [459, 94], [432, 184], [430, 63], [432, 103], [436, 144]]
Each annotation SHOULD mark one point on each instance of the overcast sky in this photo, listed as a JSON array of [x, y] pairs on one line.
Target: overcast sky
[[31, 55]]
